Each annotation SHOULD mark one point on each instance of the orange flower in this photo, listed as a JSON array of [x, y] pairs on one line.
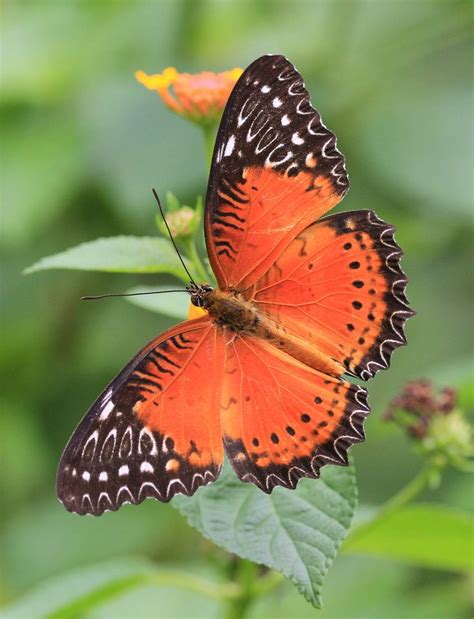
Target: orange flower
[[200, 97]]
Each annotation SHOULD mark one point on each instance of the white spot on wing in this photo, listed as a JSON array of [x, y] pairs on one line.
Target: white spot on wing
[[124, 470], [146, 467], [103, 476], [86, 475], [311, 160], [276, 102], [285, 120], [229, 146], [106, 397], [265, 89], [296, 139], [108, 408]]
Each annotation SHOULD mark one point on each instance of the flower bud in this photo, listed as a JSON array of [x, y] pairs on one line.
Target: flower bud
[[183, 221], [180, 222], [431, 418], [451, 436]]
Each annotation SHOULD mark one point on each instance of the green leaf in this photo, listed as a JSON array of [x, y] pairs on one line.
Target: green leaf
[[426, 535], [296, 532], [120, 254], [173, 304], [77, 593], [54, 597]]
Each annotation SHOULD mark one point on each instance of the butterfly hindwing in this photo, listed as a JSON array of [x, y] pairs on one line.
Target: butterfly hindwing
[[154, 431], [282, 420], [276, 169], [339, 285]]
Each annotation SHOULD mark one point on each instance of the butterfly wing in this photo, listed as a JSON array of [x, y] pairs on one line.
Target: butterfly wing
[[155, 430], [275, 170], [282, 420], [339, 285]]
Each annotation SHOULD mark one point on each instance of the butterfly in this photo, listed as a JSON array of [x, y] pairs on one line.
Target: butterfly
[[302, 302]]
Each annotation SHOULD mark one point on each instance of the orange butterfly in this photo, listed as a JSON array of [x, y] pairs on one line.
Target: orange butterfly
[[300, 302]]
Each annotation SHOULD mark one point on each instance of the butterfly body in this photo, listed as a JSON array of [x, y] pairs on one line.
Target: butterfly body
[[301, 303], [232, 311]]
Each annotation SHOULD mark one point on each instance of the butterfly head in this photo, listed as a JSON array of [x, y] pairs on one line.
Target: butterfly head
[[198, 293]]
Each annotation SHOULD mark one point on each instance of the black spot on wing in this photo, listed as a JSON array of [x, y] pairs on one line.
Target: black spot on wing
[[333, 451], [391, 334]]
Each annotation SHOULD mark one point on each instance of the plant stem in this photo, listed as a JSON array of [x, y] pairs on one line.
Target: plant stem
[[209, 133], [268, 582], [251, 585], [245, 577], [404, 496], [411, 490], [198, 585]]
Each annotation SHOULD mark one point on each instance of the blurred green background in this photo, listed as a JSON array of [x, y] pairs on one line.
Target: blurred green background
[[82, 145]]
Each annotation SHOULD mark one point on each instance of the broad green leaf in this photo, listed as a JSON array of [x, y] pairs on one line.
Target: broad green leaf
[[173, 304], [296, 532], [75, 594], [427, 535], [54, 597], [120, 254]]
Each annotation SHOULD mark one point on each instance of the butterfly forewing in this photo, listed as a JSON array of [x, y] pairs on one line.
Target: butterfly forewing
[[276, 169], [155, 431]]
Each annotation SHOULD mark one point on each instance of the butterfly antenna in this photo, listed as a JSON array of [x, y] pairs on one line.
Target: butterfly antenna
[[129, 294], [171, 237]]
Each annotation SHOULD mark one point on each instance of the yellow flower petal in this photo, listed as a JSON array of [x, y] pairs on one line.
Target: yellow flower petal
[[195, 312], [200, 97], [157, 81], [235, 73]]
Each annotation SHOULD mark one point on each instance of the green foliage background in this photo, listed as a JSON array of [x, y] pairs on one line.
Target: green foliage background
[[82, 145]]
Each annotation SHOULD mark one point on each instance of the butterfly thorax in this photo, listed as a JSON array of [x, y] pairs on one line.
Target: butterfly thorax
[[231, 310]]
